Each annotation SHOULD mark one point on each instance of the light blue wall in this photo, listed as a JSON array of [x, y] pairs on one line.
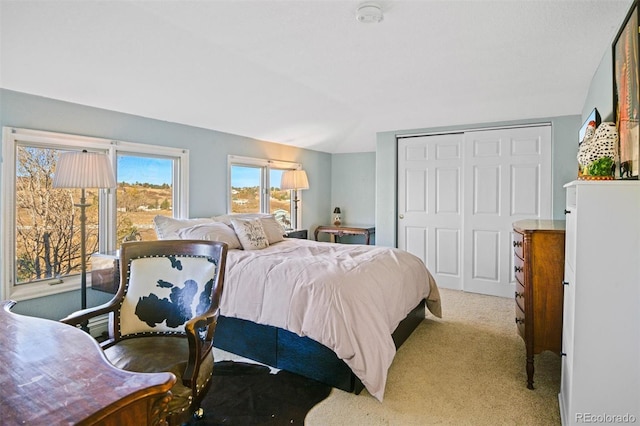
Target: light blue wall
[[208, 162], [600, 94], [353, 190], [353, 187], [564, 168]]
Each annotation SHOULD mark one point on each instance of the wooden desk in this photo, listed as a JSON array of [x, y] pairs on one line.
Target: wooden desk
[[339, 231], [52, 374]]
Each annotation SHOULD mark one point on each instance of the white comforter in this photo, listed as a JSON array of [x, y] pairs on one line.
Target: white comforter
[[348, 297]]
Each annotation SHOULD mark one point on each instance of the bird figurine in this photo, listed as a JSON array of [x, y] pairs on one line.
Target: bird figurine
[[603, 142], [585, 142]]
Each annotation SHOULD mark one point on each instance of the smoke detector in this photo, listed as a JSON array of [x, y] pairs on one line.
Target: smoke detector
[[369, 13]]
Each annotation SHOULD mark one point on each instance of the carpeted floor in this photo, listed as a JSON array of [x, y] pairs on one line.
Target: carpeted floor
[[467, 368]]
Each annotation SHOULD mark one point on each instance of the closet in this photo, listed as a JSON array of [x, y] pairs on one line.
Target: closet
[[459, 194]]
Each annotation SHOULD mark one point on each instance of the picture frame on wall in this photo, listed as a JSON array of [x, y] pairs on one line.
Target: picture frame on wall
[[626, 96]]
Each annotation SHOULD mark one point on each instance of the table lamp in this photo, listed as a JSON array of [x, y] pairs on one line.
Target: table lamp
[[336, 216]]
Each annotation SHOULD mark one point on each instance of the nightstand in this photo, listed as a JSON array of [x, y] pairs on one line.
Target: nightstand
[[300, 234], [105, 272]]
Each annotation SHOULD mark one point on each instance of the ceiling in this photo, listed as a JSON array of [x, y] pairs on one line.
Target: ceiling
[[305, 72]]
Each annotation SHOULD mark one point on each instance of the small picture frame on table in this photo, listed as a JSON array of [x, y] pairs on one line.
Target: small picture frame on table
[[626, 95]]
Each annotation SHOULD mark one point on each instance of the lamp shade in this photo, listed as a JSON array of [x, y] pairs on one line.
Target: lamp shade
[[294, 179], [337, 210], [82, 169]]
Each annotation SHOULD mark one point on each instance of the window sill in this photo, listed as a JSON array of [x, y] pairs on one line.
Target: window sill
[[31, 291]]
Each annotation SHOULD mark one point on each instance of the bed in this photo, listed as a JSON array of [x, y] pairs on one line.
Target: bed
[[335, 313]]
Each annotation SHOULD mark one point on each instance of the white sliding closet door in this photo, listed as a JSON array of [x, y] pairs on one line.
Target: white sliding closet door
[[508, 178], [430, 203], [458, 195]]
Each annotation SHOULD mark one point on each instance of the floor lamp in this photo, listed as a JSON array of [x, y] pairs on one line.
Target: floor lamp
[[82, 169], [294, 180]]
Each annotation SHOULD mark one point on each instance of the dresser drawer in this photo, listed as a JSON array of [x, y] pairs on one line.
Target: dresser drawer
[[519, 296], [518, 270], [520, 320], [518, 244]]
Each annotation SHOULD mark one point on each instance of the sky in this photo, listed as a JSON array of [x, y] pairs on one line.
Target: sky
[[250, 176], [156, 171]]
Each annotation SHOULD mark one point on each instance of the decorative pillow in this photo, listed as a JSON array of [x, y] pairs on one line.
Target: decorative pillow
[[250, 233], [273, 229], [167, 227], [214, 231]]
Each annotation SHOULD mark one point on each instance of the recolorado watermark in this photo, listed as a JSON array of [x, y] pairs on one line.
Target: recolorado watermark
[[605, 418]]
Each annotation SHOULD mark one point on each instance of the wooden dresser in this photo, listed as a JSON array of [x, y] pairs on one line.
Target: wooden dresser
[[538, 260]]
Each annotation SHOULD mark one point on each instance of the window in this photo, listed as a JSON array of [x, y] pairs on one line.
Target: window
[[40, 252], [255, 188], [145, 189]]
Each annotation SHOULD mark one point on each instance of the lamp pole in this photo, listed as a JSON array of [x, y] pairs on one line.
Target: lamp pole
[[83, 248]]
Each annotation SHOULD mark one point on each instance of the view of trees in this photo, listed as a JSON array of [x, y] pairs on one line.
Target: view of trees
[[46, 244], [48, 224], [137, 204]]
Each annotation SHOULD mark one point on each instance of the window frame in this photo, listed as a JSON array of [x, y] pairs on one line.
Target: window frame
[[14, 137], [265, 182]]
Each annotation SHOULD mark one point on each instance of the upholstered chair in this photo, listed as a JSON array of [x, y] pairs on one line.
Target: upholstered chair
[[164, 314]]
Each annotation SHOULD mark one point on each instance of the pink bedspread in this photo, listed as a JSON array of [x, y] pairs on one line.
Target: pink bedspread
[[348, 297]]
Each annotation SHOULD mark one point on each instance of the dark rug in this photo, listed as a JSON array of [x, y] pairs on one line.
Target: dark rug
[[247, 394]]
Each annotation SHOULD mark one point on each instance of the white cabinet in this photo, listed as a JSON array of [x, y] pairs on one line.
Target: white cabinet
[[601, 313]]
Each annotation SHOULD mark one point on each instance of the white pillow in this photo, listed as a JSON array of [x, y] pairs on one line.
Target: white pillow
[[226, 218], [167, 227], [250, 233], [273, 228], [214, 231]]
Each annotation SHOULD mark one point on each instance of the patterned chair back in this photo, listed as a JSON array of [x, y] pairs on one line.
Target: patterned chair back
[[165, 285]]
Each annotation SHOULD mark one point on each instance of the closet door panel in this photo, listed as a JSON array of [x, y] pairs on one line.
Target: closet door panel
[[459, 194], [430, 203], [506, 184]]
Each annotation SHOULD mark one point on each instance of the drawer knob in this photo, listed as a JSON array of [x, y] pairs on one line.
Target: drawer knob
[[519, 321], [517, 268], [565, 283], [519, 294], [517, 243], [567, 211]]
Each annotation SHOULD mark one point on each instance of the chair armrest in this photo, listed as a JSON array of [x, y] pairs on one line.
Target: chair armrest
[[79, 317], [199, 347]]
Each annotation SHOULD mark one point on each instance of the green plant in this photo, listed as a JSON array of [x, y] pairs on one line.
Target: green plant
[[601, 167]]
